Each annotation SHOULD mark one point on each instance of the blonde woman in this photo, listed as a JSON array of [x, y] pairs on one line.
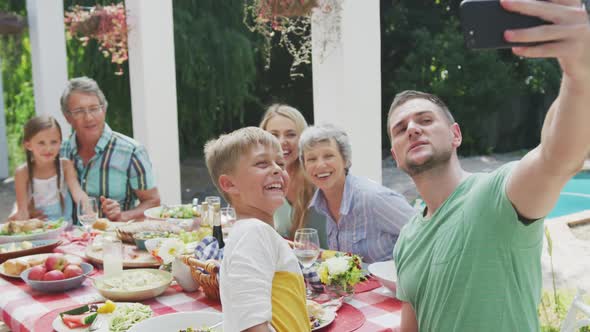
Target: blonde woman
[[286, 123]]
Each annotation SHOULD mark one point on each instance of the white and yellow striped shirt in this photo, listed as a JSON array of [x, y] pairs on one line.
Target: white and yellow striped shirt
[[261, 281]]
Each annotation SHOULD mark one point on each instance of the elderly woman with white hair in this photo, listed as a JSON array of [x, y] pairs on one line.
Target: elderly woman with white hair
[[363, 217]]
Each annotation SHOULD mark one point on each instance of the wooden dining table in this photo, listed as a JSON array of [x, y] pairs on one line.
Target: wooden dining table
[[24, 309]]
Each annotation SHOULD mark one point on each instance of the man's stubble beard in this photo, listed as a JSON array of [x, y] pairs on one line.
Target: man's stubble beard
[[436, 159]]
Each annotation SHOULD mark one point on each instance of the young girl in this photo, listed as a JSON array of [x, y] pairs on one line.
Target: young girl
[[40, 184], [287, 123]]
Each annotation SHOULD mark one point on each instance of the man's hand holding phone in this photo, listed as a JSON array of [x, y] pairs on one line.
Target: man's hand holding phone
[[566, 39], [532, 28]]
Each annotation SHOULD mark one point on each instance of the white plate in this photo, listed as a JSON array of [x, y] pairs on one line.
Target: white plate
[[185, 223], [178, 321], [154, 213], [133, 257], [70, 258], [48, 234], [59, 326], [385, 273], [326, 319], [38, 247]]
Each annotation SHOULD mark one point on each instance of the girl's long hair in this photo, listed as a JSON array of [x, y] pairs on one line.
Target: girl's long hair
[[305, 190], [32, 128]]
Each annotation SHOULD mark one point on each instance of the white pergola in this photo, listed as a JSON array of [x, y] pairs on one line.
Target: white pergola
[[346, 83]]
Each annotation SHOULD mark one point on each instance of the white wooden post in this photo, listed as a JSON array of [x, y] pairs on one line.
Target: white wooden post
[[3, 140], [347, 78], [48, 54], [153, 90]]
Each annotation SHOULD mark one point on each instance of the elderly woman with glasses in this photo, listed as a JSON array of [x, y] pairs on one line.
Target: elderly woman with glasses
[[110, 165], [363, 217]]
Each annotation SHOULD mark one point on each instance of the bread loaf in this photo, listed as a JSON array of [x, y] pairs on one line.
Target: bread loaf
[[15, 266]]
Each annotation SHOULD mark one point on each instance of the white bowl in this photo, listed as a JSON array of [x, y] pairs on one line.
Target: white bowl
[[385, 273], [135, 295], [178, 321], [184, 223], [57, 286]]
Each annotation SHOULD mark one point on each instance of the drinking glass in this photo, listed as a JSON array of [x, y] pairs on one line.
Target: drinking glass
[[307, 246], [211, 200], [87, 211], [112, 255], [228, 216]]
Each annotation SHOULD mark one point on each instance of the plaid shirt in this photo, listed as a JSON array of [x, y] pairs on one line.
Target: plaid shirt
[[120, 166], [208, 248]]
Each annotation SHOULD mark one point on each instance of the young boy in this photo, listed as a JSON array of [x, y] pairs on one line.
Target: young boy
[[261, 284]]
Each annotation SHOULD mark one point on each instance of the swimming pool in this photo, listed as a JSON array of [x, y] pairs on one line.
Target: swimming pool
[[574, 197]]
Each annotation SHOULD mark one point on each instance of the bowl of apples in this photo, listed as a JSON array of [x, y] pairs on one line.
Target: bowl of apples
[[56, 275]]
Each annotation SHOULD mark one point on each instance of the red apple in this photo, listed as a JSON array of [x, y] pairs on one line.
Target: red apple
[[72, 270], [55, 262], [37, 272], [53, 275]]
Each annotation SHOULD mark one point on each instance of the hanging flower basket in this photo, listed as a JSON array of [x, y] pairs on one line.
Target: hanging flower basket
[[287, 23], [11, 24], [286, 8], [107, 25]]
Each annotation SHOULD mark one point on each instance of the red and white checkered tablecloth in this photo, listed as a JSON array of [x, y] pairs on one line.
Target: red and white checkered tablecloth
[[21, 307]]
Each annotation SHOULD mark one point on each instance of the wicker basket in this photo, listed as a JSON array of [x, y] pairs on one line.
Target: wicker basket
[[210, 280]]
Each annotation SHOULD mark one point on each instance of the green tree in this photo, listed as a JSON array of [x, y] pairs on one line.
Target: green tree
[[19, 104], [498, 98], [215, 70]]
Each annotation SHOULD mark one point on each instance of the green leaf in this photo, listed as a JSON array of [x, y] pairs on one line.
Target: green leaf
[[549, 241]]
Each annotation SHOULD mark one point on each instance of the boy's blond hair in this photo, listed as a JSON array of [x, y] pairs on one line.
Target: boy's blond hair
[[223, 154]]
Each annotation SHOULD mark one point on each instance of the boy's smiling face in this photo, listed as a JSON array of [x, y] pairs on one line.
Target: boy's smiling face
[[258, 184]]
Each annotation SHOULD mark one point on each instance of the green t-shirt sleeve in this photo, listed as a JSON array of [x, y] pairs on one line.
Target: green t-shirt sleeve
[[497, 210], [399, 292]]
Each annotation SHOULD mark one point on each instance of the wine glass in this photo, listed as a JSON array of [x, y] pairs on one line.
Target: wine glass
[[307, 246], [228, 216], [87, 211]]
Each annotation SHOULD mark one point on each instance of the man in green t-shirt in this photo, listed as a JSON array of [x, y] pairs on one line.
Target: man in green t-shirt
[[471, 260]]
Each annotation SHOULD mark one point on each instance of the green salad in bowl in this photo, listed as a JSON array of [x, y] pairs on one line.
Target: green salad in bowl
[[178, 212], [166, 212], [32, 229]]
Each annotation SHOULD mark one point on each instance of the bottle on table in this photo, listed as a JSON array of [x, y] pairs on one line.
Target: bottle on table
[[217, 231]]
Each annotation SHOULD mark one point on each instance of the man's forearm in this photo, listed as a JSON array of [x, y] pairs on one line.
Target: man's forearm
[[137, 212], [565, 138]]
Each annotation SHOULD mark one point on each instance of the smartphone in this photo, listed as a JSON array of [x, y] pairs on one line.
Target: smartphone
[[484, 22]]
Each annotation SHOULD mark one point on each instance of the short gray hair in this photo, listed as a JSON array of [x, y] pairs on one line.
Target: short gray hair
[[85, 85], [324, 133]]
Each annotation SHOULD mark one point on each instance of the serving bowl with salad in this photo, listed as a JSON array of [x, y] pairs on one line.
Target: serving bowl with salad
[[182, 215], [32, 229]]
